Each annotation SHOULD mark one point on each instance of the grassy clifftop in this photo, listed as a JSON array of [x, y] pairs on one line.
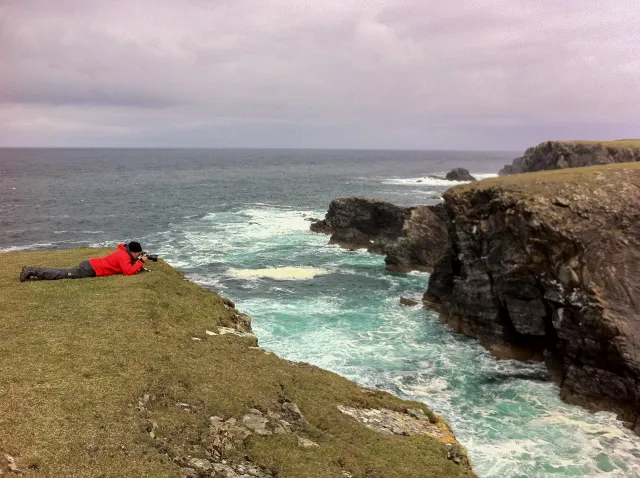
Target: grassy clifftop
[[118, 376], [557, 181], [615, 143]]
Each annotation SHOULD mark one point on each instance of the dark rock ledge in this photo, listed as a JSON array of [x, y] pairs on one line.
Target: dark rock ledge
[[412, 238]]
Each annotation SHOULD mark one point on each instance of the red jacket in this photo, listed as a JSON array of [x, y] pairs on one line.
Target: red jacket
[[118, 262]]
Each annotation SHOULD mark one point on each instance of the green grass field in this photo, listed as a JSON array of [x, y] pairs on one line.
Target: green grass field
[[76, 356]]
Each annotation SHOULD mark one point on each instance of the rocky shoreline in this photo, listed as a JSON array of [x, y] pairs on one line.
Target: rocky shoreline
[[539, 266]]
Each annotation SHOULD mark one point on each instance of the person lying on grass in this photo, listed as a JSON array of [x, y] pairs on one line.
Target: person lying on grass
[[127, 260]]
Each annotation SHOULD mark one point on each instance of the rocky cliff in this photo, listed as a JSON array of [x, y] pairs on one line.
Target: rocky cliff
[[412, 238], [548, 264], [561, 154], [359, 222]]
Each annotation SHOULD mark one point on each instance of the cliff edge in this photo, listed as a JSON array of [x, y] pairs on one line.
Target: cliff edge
[[154, 376], [548, 264], [573, 154]]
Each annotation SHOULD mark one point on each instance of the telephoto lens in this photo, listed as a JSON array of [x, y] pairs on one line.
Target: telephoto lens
[[151, 257]]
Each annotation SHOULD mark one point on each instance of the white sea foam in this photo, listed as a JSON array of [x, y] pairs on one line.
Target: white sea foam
[[278, 273], [30, 247], [434, 181], [435, 385], [482, 176], [422, 181]]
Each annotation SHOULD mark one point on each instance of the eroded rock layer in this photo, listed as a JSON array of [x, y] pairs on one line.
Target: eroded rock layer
[[548, 264]]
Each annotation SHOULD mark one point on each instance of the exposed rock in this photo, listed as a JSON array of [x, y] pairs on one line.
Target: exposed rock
[[457, 454], [423, 241], [561, 154], [306, 443], [256, 423], [408, 302], [229, 330], [200, 464], [294, 414], [522, 274], [357, 222], [411, 238], [412, 422], [459, 174]]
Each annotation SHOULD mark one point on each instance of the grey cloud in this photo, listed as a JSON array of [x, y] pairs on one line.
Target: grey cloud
[[490, 74]]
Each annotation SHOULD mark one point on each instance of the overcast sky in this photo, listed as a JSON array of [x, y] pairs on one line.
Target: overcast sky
[[403, 74]]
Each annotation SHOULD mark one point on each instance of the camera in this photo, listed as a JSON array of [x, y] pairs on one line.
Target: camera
[[151, 257]]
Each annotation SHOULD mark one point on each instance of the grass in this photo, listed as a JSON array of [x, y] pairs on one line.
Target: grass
[[616, 143], [76, 356], [571, 200], [558, 179]]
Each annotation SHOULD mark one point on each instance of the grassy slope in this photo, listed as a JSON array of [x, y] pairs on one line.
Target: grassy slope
[[617, 143], [555, 181], [75, 355]]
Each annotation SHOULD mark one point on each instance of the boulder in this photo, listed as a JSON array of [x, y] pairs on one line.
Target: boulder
[[459, 174], [550, 267]]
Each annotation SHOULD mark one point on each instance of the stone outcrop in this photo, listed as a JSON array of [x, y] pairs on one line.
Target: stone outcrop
[[410, 237], [359, 222], [560, 155], [413, 421], [549, 265], [459, 174], [423, 241]]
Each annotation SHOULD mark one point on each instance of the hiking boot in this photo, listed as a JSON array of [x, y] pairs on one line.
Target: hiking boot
[[25, 274]]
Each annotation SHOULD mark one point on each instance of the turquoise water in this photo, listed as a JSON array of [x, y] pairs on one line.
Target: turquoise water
[[231, 218], [348, 319]]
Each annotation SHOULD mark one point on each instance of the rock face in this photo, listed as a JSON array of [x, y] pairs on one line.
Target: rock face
[[549, 264], [359, 222], [423, 241], [411, 238], [560, 155], [459, 174]]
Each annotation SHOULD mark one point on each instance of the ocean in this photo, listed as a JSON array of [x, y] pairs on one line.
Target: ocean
[[237, 221]]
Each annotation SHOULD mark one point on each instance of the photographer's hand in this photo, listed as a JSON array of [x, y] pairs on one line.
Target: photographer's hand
[[144, 258]]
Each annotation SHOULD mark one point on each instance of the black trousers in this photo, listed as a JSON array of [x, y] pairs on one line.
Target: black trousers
[[81, 271]]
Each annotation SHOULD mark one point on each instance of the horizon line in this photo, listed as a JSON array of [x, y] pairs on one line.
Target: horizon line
[[282, 148]]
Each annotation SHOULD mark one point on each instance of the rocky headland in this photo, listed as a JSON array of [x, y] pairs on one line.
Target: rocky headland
[[152, 375], [411, 238], [547, 265], [573, 154], [536, 266]]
